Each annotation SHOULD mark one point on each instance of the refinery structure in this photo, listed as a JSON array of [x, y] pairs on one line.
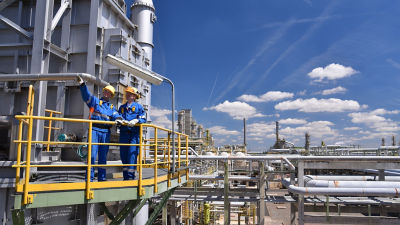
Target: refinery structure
[[182, 178]]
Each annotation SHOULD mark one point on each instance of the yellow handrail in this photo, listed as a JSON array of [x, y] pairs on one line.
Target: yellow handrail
[[89, 194], [145, 145], [155, 161], [140, 183], [49, 127]]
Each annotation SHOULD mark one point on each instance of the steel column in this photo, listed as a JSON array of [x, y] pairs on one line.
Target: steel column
[[90, 214], [92, 37], [300, 177], [165, 215], [261, 185], [227, 210], [172, 215], [40, 60], [91, 47]]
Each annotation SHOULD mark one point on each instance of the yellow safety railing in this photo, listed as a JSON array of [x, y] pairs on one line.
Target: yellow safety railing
[[146, 147], [50, 126]]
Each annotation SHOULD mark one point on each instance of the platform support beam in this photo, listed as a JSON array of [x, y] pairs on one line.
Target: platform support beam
[[300, 177], [160, 206], [261, 186], [134, 204], [18, 217], [227, 210]]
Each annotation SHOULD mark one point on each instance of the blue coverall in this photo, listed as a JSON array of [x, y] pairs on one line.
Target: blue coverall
[[105, 111], [130, 135]]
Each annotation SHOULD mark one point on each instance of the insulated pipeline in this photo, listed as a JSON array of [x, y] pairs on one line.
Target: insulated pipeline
[[352, 184], [53, 76], [388, 192]]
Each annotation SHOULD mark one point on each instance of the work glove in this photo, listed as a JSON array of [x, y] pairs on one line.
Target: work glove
[[119, 122], [133, 122], [80, 80]]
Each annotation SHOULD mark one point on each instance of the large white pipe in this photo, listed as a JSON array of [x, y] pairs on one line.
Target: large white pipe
[[53, 77], [387, 172], [390, 192], [298, 157], [221, 177], [352, 184], [351, 178]]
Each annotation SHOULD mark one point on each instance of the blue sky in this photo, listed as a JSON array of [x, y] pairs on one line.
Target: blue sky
[[330, 68]]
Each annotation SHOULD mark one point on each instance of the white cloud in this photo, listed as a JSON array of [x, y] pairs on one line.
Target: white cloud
[[335, 90], [393, 63], [262, 129], [161, 117], [302, 93], [331, 72], [220, 130], [319, 105], [267, 97], [316, 129], [375, 120], [292, 121], [352, 128], [237, 110], [156, 112]]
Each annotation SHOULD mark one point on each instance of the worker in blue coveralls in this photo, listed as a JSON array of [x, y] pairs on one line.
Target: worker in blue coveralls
[[100, 109], [132, 113]]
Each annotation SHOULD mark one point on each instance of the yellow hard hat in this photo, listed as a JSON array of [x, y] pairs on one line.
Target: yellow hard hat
[[133, 91], [110, 89]]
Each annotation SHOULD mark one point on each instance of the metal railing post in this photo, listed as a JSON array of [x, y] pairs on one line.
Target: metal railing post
[[31, 99], [17, 175], [50, 126], [28, 198], [89, 193], [140, 184], [187, 158], [49, 132], [179, 157], [169, 159]]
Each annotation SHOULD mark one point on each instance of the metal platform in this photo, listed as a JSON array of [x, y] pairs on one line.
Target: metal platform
[[111, 190]]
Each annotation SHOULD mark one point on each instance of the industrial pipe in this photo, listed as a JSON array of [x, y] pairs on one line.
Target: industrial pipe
[[298, 157], [352, 184], [393, 173], [388, 192], [291, 166], [221, 177], [351, 178], [52, 76]]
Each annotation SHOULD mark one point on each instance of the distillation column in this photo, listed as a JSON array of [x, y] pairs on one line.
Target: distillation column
[[143, 15]]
